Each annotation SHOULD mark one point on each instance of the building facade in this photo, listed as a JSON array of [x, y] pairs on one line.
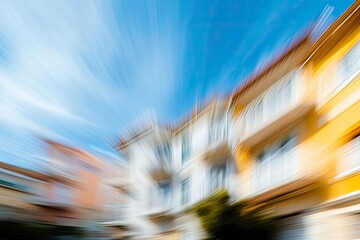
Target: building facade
[[172, 169], [335, 67], [287, 141], [82, 189], [297, 134]]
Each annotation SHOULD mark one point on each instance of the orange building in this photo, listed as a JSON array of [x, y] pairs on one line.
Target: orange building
[[73, 193]]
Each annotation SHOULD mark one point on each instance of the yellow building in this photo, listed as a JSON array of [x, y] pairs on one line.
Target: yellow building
[[297, 134], [335, 67]]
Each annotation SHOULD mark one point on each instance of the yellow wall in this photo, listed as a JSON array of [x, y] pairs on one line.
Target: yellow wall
[[340, 114], [326, 128]]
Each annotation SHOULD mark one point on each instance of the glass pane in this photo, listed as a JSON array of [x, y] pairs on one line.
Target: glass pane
[[164, 191], [185, 148], [351, 63], [185, 191], [218, 177]]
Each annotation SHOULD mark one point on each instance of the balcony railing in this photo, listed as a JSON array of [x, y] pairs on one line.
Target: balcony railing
[[115, 212], [349, 158], [278, 101], [274, 171], [218, 134], [158, 203]]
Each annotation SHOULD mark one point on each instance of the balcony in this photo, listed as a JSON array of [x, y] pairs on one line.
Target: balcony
[[159, 204], [278, 107], [160, 170], [349, 158], [219, 147], [159, 211], [275, 170], [286, 172], [116, 215], [159, 165]]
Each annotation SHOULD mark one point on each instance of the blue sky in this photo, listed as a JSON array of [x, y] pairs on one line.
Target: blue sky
[[81, 72]]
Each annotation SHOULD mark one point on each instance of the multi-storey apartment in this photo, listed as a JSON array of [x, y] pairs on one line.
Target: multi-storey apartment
[[73, 194], [273, 119], [76, 188], [297, 126], [171, 169], [335, 67]]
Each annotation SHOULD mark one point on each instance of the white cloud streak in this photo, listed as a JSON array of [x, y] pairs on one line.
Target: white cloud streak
[[82, 70]]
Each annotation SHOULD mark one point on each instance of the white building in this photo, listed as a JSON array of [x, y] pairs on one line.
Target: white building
[[114, 192], [171, 169]]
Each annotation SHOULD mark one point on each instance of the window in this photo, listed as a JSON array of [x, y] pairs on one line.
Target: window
[[217, 177], [185, 148], [164, 152], [258, 113], [350, 64], [350, 156], [286, 145], [212, 131], [185, 191], [164, 192], [259, 176]]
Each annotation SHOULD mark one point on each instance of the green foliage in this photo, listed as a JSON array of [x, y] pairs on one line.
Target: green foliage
[[221, 219]]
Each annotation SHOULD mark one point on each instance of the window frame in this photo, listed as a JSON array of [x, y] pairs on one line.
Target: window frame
[[164, 151], [345, 77], [185, 191], [223, 166], [354, 145], [185, 148], [165, 197]]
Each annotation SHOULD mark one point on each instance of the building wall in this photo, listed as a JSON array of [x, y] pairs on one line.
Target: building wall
[[338, 108], [142, 157], [327, 206], [75, 184]]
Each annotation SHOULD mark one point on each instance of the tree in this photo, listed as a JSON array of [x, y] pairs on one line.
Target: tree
[[222, 219]]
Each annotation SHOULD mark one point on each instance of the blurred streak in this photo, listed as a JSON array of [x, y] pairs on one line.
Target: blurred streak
[[71, 75], [323, 22]]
